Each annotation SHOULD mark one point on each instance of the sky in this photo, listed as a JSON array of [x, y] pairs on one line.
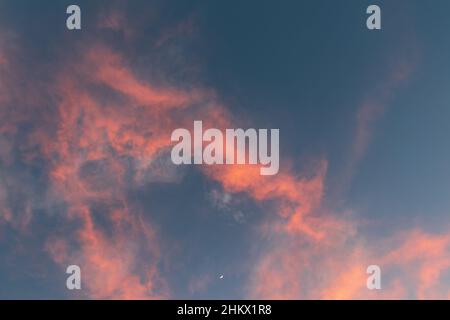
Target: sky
[[86, 176]]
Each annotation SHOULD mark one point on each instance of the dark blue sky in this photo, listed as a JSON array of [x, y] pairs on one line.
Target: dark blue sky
[[373, 105]]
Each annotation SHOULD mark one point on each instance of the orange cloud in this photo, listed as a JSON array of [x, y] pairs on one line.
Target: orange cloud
[[96, 135]]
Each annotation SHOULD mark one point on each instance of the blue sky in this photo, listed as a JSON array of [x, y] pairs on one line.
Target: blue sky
[[86, 176]]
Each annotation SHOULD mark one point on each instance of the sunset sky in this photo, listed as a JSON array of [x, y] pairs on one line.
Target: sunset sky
[[86, 177]]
